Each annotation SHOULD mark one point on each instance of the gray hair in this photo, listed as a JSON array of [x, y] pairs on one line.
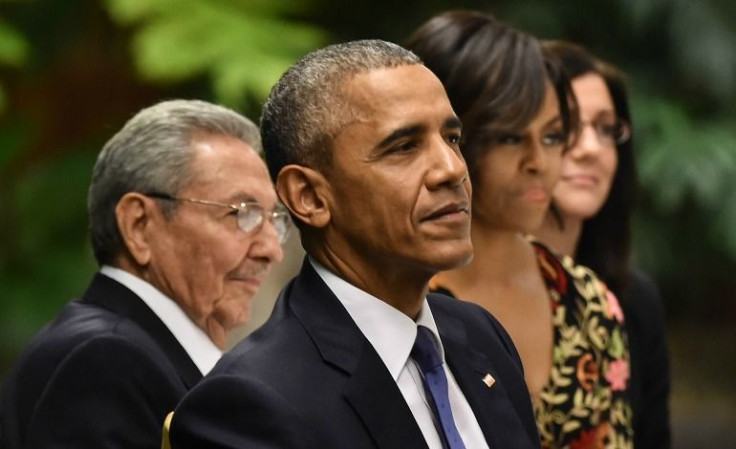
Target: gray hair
[[306, 109], [152, 153]]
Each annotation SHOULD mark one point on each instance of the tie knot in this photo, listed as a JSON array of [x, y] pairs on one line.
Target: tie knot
[[424, 351]]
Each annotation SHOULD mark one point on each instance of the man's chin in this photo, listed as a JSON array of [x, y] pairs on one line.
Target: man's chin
[[457, 258], [236, 312]]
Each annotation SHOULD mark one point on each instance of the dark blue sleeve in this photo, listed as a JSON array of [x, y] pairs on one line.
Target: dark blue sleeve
[[107, 393], [233, 412]]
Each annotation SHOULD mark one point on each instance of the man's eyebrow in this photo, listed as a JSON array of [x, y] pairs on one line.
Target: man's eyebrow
[[242, 197], [453, 122], [400, 133]]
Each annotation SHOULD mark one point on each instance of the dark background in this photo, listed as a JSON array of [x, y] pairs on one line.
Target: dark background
[[72, 72]]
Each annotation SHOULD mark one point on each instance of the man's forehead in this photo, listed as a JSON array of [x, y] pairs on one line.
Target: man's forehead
[[404, 93], [363, 86], [232, 166]]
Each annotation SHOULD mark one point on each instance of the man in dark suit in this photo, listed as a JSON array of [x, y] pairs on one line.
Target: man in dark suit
[[363, 144], [183, 226]]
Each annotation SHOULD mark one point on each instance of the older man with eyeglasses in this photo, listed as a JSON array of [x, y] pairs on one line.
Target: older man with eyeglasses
[[185, 225]]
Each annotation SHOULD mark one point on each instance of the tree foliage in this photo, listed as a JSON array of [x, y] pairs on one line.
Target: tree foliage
[[13, 52], [243, 46]]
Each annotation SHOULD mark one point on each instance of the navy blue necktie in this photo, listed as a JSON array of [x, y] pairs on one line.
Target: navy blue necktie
[[425, 354]]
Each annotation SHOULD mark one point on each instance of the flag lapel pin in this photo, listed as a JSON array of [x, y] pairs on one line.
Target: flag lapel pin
[[489, 380]]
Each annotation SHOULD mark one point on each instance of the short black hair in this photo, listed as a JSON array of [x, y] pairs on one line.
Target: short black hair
[[306, 110]]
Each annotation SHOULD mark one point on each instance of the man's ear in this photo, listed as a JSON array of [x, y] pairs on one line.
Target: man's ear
[[134, 213], [306, 193]]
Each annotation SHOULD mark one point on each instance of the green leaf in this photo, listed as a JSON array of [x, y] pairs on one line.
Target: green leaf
[[616, 345], [127, 12], [12, 139], [703, 46], [13, 47], [724, 229], [54, 192], [244, 47], [232, 80], [682, 159]]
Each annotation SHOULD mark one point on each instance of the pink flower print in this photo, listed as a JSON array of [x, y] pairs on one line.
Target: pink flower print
[[614, 308], [618, 374]]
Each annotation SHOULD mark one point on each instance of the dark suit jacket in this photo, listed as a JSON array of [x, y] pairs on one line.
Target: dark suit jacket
[[103, 374], [310, 379]]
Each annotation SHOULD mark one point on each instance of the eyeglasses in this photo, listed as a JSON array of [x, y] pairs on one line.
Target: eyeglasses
[[610, 131], [251, 216]]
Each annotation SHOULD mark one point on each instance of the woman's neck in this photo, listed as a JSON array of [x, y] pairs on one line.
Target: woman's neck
[[561, 240], [498, 254]]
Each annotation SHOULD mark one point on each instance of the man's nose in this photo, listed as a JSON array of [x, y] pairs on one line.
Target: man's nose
[[448, 166]]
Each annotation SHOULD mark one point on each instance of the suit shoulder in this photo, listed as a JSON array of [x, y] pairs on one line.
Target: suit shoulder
[[242, 399], [273, 345], [99, 348], [86, 339], [84, 325], [82, 397], [479, 324], [476, 319], [468, 312]]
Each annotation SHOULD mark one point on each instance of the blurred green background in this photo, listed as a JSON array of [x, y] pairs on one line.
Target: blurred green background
[[72, 72]]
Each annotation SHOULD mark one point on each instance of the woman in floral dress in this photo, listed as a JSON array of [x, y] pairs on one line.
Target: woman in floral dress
[[518, 117]]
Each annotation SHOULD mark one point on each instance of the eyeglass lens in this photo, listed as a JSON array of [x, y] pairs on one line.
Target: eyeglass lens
[[610, 131], [251, 216]]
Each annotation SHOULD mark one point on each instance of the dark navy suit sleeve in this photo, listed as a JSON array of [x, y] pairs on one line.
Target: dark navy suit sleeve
[[234, 412], [87, 403]]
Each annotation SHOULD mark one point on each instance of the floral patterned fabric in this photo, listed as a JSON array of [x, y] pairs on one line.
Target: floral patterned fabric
[[585, 404]]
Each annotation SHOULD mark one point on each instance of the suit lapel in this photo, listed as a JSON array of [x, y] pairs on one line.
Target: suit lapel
[[110, 294], [376, 398], [370, 390], [492, 406]]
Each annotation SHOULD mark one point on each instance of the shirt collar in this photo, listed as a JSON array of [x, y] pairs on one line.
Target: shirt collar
[[203, 352], [391, 332]]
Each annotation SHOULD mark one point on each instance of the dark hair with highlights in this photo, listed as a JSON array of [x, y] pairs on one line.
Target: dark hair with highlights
[[495, 76], [605, 242]]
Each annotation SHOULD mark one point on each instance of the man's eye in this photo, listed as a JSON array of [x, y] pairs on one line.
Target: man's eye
[[454, 139], [404, 147]]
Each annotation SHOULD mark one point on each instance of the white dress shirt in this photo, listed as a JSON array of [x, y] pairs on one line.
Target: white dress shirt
[[392, 334], [203, 352]]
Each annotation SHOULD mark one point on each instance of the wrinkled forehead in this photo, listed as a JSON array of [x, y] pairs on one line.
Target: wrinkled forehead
[[227, 168], [393, 92]]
